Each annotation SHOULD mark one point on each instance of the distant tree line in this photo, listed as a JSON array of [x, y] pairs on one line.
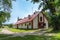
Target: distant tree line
[[8, 25]]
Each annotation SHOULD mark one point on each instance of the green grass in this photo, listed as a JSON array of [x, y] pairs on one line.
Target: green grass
[[4, 35], [49, 30], [16, 30], [0, 30], [33, 37], [19, 30]]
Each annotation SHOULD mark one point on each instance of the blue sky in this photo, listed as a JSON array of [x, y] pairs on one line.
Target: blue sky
[[21, 9]]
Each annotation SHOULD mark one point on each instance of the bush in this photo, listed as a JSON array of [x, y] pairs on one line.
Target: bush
[[55, 22]]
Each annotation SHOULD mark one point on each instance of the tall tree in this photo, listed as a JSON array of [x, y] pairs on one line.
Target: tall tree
[[54, 7], [5, 9], [6, 5], [3, 17], [48, 4]]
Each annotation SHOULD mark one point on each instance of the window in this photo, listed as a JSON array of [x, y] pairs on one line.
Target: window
[[44, 24], [21, 24], [40, 18], [29, 23]]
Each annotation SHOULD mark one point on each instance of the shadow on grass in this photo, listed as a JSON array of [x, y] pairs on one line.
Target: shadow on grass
[[54, 31], [4, 35], [33, 37]]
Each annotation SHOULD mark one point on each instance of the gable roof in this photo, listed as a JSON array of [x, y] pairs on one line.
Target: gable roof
[[27, 19]]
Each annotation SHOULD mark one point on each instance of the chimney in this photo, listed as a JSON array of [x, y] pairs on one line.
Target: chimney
[[29, 16], [34, 12], [24, 17], [19, 19]]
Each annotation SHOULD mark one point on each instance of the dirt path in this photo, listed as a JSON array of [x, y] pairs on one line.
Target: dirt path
[[22, 34], [5, 31]]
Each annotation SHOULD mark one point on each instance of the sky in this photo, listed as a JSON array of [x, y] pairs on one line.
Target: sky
[[21, 9]]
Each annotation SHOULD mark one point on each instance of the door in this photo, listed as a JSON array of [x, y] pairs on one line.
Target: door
[[40, 25]]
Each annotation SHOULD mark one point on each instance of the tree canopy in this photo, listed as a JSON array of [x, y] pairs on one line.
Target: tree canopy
[[54, 7], [6, 5], [3, 17], [5, 10], [48, 4]]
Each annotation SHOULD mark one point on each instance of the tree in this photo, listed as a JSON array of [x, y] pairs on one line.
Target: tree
[[3, 17], [5, 8], [48, 4], [6, 5], [54, 7], [55, 22]]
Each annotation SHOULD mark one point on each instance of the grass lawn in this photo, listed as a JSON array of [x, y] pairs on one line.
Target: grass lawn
[[4, 35], [33, 37], [0, 29], [19, 30]]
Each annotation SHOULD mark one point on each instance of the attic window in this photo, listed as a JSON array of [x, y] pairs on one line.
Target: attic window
[[40, 18]]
